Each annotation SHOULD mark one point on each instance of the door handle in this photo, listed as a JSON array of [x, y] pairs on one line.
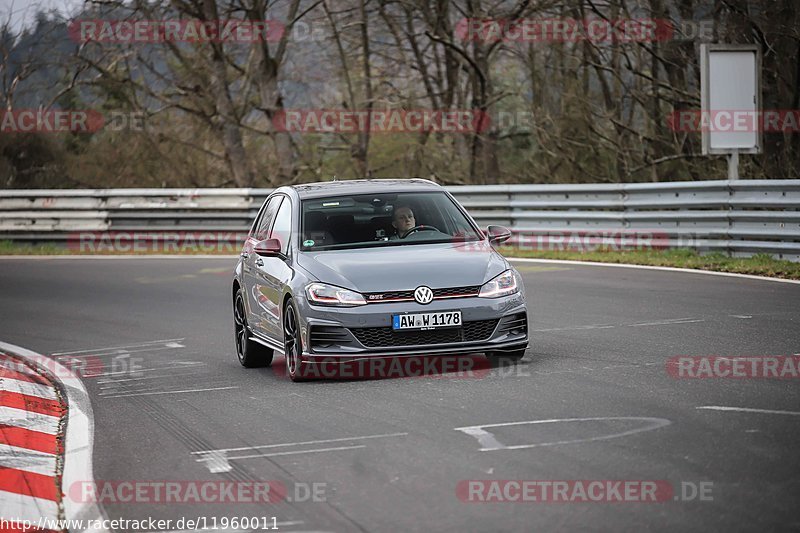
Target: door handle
[[259, 262]]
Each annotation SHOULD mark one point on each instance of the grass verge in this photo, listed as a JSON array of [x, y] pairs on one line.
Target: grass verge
[[758, 265], [15, 248]]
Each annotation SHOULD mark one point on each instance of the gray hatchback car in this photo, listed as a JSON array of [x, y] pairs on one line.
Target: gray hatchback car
[[346, 270]]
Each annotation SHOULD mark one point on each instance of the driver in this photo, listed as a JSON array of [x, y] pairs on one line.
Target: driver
[[402, 221]]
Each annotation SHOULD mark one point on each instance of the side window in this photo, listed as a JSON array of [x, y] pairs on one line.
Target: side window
[[282, 230], [262, 229]]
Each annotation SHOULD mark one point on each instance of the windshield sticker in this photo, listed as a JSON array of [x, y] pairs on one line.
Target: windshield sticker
[[308, 243]]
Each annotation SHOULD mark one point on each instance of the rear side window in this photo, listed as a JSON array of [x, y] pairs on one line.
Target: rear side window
[[282, 230], [261, 230]]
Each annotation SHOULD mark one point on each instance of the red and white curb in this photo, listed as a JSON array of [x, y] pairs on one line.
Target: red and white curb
[[46, 437]]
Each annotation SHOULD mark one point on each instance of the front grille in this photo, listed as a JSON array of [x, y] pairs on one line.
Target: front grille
[[391, 295], [457, 291], [450, 292], [389, 338]]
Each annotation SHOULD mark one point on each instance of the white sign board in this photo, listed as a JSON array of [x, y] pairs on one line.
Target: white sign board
[[730, 116]]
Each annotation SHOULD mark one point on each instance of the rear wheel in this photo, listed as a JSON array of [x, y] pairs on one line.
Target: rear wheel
[[292, 346], [250, 353]]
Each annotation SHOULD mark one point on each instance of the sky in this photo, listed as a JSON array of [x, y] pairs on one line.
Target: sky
[[23, 11]]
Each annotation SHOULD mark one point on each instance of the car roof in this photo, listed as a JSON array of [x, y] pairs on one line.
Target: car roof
[[361, 186]]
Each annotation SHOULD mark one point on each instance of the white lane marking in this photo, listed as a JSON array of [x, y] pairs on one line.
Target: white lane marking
[[22, 507], [118, 353], [323, 441], [748, 410], [743, 317], [78, 441], [571, 328], [668, 322], [125, 395], [27, 388], [140, 345], [29, 420], [664, 322], [125, 388], [298, 452], [28, 460], [486, 439], [181, 364], [216, 462], [646, 267], [493, 444], [170, 375], [219, 462]]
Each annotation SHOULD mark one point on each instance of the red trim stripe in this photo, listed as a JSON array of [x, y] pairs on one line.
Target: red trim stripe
[[30, 378], [30, 403], [28, 483], [29, 439]]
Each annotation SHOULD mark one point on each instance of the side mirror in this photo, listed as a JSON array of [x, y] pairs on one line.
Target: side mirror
[[498, 234], [268, 248]]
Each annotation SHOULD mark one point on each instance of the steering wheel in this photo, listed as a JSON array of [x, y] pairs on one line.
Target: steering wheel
[[421, 227]]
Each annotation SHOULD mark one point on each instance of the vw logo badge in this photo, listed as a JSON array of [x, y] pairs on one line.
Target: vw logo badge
[[423, 295]]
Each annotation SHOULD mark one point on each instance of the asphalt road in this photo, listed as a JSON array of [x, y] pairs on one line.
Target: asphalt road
[[390, 456]]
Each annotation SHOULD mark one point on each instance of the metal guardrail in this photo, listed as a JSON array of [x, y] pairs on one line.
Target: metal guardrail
[[738, 218]]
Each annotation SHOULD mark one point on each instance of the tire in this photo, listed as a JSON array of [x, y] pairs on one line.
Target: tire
[[250, 353], [292, 346]]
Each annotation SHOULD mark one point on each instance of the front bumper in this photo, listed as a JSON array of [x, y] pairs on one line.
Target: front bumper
[[489, 325]]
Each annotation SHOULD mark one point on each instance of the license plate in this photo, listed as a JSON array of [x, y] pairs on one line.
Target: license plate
[[426, 321]]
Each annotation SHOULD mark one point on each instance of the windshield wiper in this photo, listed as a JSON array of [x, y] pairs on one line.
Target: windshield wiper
[[381, 244]]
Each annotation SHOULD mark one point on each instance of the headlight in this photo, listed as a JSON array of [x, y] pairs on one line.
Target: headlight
[[322, 294], [502, 285]]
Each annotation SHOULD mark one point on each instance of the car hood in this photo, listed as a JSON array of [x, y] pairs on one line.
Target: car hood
[[406, 267]]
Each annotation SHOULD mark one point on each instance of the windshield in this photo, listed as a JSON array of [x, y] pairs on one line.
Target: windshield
[[390, 219]]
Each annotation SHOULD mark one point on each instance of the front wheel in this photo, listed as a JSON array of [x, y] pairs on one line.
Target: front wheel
[[292, 346], [250, 353]]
